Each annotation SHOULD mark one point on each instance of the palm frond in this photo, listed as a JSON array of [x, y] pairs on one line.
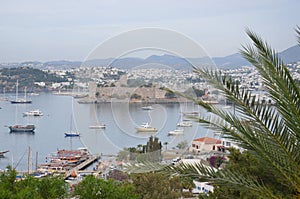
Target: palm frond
[[277, 80], [144, 167], [298, 33]]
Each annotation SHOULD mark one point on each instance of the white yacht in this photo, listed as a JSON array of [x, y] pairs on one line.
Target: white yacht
[[176, 132], [33, 113], [185, 124], [145, 127], [147, 108], [97, 126]]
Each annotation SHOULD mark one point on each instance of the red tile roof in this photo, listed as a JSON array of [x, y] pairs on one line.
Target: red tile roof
[[208, 140]]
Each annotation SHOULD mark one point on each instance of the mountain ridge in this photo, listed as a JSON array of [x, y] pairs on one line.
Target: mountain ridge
[[235, 60]]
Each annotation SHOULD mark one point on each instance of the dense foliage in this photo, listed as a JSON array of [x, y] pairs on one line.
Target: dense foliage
[[26, 77], [30, 187], [94, 188], [156, 185]]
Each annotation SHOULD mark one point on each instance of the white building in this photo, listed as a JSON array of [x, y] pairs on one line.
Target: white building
[[206, 144], [202, 187]]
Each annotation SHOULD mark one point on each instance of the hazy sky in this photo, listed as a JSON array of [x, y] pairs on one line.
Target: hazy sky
[[70, 30]]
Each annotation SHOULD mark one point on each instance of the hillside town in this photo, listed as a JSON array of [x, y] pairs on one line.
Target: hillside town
[[96, 85]]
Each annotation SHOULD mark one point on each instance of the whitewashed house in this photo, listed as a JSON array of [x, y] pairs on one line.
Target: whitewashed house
[[206, 144]]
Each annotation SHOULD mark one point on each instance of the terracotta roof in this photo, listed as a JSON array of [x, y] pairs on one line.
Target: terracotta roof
[[208, 140]]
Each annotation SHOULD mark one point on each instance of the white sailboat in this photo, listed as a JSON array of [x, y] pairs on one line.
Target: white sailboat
[[97, 125], [184, 122]]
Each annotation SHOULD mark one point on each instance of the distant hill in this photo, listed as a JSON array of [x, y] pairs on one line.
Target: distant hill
[[62, 63], [236, 60], [289, 55], [232, 61]]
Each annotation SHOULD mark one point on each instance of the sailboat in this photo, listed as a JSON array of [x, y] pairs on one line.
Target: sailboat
[[21, 128], [72, 133], [20, 100], [183, 123], [97, 125]]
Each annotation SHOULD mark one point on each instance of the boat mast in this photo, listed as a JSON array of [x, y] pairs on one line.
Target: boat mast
[[17, 85], [25, 92], [36, 161], [28, 160]]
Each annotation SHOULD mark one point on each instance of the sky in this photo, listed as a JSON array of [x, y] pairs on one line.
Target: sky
[[35, 30]]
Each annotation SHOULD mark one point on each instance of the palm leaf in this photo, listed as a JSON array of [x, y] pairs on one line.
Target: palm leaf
[[271, 133]]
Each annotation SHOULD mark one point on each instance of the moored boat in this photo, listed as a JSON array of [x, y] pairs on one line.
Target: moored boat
[[22, 128], [176, 132], [190, 113], [97, 126], [185, 124], [72, 134], [33, 113], [146, 128], [20, 100], [147, 108], [2, 153]]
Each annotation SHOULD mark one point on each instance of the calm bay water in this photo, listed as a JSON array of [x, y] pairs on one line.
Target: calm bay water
[[121, 119]]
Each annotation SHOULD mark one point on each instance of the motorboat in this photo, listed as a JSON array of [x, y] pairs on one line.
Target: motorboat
[[147, 108], [176, 132], [193, 113], [2, 153], [97, 126], [33, 113], [145, 127], [185, 124]]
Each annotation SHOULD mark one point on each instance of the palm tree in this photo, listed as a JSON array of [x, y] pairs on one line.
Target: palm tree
[[271, 134]]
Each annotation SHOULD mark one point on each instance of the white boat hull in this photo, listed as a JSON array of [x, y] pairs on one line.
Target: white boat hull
[[149, 129]]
